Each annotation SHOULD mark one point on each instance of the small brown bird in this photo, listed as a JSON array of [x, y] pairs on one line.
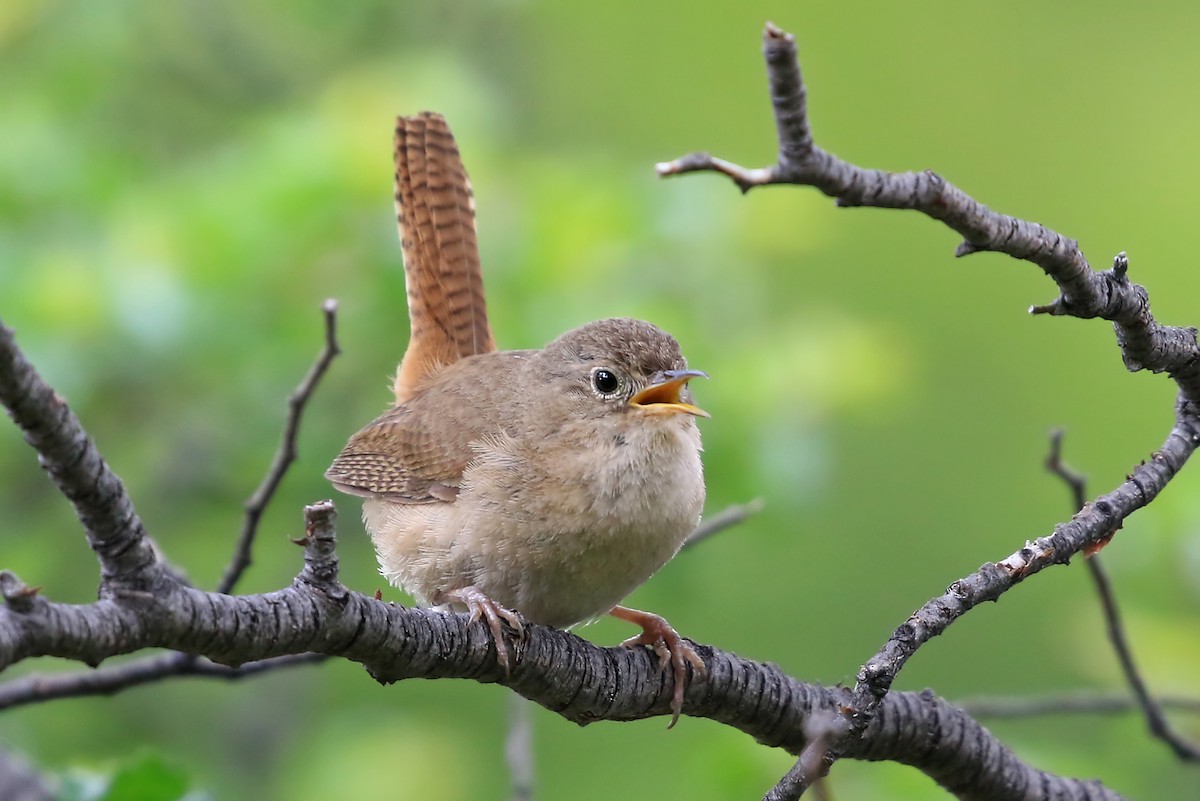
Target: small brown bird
[[550, 482]]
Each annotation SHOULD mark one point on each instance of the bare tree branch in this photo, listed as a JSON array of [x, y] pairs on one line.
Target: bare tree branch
[[727, 518], [108, 681], [1083, 704], [19, 781], [813, 764], [518, 749], [560, 671], [1084, 293], [1155, 719], [150, 669], [1076, 482], [258, 502], [114, 530]]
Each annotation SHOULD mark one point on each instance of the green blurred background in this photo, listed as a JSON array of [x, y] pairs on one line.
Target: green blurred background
[[182, 184]]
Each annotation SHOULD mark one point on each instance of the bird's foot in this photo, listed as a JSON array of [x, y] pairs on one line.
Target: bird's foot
[[672, 651], [481, 606]]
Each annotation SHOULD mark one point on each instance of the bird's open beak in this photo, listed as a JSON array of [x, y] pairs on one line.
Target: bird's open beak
[[662, 397]]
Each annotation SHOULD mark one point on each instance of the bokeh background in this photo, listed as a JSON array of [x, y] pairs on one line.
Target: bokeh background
[[182, 184]]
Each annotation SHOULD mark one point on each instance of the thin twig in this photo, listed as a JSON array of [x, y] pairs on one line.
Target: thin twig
[[1077, 703], [518, 748], [727, 518], [812, 765], [108, 681], [1076, 482], [285, 455], [1155, 718]]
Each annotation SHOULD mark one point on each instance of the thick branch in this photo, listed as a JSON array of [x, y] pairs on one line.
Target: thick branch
[[560, 671], [114, 530]]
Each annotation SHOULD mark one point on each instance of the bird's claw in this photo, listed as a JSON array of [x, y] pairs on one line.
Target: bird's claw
[[673, 652], [479, 605]]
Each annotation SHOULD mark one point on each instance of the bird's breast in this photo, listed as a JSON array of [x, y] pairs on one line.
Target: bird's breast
[[559, 527], [568, 544]]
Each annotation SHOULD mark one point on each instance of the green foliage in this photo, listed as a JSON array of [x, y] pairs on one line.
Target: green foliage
[[182, 184], [146, 777]]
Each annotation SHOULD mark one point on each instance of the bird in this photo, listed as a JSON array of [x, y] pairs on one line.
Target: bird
[[541, 485]]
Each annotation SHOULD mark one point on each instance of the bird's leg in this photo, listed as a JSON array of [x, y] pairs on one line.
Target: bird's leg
[[671, 649], [480, 605]]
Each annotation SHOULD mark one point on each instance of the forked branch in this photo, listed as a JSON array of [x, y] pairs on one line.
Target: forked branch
[[107, 680], [1083, 292], [1156, 720]]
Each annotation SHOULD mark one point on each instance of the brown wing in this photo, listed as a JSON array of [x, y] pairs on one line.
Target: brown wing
[[436, 212], [417, 451], [398, 458]]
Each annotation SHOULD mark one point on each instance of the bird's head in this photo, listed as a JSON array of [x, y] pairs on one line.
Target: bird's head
[[622, 366]]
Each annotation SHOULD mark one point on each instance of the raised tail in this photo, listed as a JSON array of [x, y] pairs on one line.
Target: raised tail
[[435, 209]]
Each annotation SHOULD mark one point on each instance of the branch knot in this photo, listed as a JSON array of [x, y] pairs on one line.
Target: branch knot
[[18, 595], [320, 551]]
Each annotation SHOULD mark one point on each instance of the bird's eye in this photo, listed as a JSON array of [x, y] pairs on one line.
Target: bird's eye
[[605, 381]]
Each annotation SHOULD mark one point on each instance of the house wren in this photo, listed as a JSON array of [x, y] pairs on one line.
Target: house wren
[[550, 482]]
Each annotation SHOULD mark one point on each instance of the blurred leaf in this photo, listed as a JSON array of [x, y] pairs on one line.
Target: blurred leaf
[[146, 777]]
